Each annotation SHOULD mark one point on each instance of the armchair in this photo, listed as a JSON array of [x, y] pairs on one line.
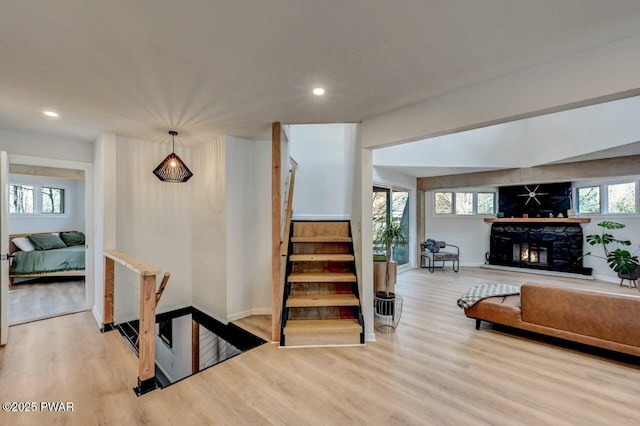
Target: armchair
[[439, 251]]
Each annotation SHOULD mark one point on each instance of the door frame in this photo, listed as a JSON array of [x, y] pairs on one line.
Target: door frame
[[88, 212]]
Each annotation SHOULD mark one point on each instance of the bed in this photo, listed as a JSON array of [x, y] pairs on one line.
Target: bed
[[47, 254]]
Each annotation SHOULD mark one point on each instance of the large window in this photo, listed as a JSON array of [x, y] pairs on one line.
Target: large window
[[464, 202], [608, 198], [391, 205]]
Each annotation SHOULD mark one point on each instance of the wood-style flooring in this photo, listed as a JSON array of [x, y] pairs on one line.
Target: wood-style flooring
[[435, 369], [45, 298]]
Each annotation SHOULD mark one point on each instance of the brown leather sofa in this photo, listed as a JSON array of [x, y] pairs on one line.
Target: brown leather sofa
[[604, 320]]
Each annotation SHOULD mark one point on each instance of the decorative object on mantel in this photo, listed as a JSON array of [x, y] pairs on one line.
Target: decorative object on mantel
[[172, 168], [388, 305], [619, 260]]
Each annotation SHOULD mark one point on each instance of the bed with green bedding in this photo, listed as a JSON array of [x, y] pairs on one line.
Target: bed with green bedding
[[48, 255], [55, 260]]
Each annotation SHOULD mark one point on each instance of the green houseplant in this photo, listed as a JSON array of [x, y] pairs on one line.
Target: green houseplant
[[619, 259], [393, 232], [388, 305]]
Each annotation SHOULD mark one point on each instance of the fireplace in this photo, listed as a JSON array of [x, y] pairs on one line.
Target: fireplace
[[531, 253], [547, 246]]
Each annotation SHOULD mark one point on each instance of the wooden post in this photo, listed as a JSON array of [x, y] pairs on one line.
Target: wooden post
[[276, 207], [421, 213], [147, 330], [109, 278], [146, 339], [195, 347]]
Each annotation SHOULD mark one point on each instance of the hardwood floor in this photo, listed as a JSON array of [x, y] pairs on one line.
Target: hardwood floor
[[45, 298], [436, 369]]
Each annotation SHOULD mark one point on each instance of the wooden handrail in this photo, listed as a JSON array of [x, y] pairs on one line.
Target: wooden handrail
[[148, 301], [284, 244]]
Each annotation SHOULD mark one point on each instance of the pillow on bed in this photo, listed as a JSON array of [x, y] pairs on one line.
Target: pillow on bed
[[23, 244], [46, 241], [72, 238]]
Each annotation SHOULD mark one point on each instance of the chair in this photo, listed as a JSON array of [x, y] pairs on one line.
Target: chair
[[439, 251]]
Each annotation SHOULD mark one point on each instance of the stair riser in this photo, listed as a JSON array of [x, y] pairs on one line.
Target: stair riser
[[323, 339]]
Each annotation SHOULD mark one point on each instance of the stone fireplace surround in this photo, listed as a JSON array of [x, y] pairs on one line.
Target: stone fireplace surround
[[537, 244]]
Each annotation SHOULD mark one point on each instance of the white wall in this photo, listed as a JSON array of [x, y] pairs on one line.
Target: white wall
[[208, 229], [35, 145], [260, 241], [71, 219], [241, 211], [153, 224], [324, 180], [104, 234]]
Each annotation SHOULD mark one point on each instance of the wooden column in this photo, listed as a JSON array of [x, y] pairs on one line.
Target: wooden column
[[421, 218], [146, 339], [147, 329], [276, 226], [109, 278], [195, 347]]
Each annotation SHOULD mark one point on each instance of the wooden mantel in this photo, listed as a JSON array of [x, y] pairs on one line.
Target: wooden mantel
[[538, 219]]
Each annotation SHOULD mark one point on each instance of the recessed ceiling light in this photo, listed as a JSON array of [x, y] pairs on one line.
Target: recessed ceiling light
[[51, 114], [318, 91]]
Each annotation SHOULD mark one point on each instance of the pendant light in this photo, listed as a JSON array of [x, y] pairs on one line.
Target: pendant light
[[172, 169]]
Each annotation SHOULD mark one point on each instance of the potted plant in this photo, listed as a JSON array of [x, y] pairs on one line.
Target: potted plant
[[389, 305], [619, 259]]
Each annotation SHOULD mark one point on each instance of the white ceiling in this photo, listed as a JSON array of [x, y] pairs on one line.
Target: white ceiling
[[210, 67]]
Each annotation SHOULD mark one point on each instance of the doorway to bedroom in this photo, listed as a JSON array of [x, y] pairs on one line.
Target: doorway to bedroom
[[46, 223]]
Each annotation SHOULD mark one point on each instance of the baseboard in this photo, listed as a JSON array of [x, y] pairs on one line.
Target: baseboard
[[539, 272], [607, 279], [369, 337], [248, 313]]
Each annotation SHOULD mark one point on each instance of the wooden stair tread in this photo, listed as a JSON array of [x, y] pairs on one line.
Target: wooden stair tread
[[321, 277], [330, 257], [321, 239], [328, 326], [309, 300]]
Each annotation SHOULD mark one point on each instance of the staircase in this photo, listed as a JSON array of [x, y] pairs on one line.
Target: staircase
[[321, 303]]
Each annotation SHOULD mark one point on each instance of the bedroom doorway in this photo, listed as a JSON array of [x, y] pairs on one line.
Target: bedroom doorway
[[47, 219]]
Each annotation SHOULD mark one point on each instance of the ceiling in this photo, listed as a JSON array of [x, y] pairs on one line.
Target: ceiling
[[212, 67]]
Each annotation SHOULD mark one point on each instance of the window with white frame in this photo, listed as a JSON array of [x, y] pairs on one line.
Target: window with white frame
[[608, 198], [35, 199], [52, 200], [464, 203], [21, 199]]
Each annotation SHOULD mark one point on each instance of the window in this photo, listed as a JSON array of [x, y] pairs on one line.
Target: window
[[465, 203], [391, 205], [486, 203], [444, 202], [588, 199], [52, 200], [608, 198], [621, 198], [21, 199]]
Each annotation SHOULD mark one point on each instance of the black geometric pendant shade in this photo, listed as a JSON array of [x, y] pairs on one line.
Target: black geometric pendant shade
[[173, 169]]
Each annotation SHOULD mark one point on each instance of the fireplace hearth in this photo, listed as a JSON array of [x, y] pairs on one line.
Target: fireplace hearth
[[548, 246]]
